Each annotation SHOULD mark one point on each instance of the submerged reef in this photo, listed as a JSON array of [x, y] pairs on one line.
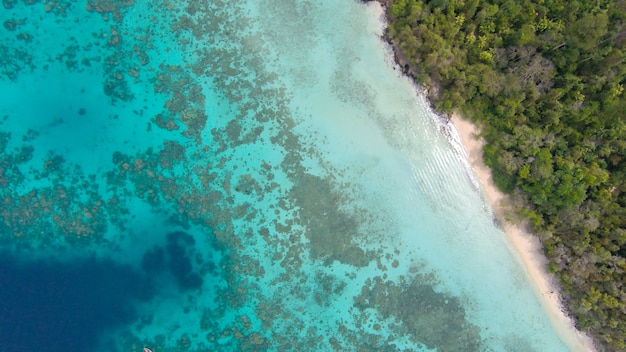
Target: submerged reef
[[193, 132], [180, 251], [435, 319], [177, 258], [332, 234]]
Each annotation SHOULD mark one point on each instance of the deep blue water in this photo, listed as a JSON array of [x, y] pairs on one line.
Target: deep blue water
[[70, 305], [48, 305]]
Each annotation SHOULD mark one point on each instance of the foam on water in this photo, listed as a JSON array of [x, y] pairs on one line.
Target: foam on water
[[263, 169]]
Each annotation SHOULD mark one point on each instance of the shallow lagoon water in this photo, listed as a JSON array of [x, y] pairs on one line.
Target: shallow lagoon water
[[262, 175]]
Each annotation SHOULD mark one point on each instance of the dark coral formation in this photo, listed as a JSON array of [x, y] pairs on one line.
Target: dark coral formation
[[435, 319]]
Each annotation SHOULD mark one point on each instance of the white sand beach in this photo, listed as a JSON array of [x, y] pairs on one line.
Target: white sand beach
[[527, 246]]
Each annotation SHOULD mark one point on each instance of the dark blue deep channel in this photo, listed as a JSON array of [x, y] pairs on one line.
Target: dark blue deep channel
[[56, 306], [65, 306]]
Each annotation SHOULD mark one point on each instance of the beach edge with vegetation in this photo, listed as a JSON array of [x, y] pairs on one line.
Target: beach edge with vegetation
[[543, 81]]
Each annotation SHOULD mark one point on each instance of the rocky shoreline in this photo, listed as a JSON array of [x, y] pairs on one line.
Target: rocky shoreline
[[431, 91]]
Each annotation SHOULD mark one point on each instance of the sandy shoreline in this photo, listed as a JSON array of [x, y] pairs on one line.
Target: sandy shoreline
[[526, 246]]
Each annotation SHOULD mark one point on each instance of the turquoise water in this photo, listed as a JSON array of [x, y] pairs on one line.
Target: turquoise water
[[239, 175]]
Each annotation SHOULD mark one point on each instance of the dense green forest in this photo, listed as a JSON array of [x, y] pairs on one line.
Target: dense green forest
[[545, 81]]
